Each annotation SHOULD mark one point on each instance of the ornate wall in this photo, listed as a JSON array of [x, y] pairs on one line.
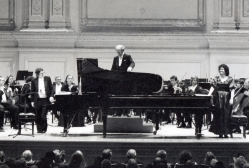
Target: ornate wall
[[167, 37]]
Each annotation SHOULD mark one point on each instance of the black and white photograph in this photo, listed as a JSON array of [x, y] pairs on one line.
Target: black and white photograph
[[124, 83]]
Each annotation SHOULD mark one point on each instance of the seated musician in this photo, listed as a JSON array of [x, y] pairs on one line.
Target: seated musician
[[57, 85], [192, 90], [68, 86], [241, 103], [11, 83], [7, 104], [238, 100], [25, 96], [174, 88]]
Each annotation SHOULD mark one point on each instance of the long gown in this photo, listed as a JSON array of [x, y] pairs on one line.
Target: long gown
[[221, 97]]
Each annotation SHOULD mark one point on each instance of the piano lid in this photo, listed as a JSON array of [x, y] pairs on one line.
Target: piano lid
[[95, 79]]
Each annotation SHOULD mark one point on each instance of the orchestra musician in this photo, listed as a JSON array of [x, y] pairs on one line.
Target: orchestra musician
[[25, 96], [123, 63], [42, 88], [223, 98], [57, 85], [8, 104], [68, 86], [192, 90]]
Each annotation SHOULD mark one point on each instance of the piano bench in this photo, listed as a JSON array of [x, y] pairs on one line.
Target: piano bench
[[238, 120], [24, 118]]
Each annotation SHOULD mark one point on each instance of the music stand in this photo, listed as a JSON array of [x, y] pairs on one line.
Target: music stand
[[22, 75]]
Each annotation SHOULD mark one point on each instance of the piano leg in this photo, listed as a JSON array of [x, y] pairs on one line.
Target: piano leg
[[104, 118]]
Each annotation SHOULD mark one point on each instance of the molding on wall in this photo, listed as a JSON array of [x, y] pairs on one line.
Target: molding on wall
[[117, 22]]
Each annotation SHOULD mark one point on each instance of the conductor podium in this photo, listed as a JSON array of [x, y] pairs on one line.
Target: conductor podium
[[125, 125]]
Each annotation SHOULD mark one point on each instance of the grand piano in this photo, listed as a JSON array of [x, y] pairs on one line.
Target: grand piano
[[99, 88]]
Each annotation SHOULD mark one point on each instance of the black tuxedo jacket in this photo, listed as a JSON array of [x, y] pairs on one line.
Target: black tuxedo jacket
[[126, 62], [34, 88]]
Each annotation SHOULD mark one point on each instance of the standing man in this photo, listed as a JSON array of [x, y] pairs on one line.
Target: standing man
[[41, 87], [123, 63]]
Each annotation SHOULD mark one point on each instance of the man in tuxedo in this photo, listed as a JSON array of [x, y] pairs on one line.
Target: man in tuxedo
[[41, 87], [123, 63], [6, 104]]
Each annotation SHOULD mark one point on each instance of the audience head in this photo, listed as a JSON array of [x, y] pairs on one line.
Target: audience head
[[27, 155], [162, 154], [185, 156], [59, 156], [106, 163], [208, 157], [156, 161], [246, 165], [57, 80], [2, 157], [239, 162], [213, 162], [223, 69], [97, 162], [131, 154], [77, 160], [194, 80], [10, 162], [39, 72], [132, 163], [69, 79], [173, 80], [20, 163], [107, 154], [29, 79], [120, 50]]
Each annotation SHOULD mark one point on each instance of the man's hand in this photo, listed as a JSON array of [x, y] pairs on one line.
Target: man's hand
[[51, 99], [32, 104], [129, 69], [246, 93], [231, 101]]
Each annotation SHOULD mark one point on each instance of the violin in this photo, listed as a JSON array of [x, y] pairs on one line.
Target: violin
[[240, 101]]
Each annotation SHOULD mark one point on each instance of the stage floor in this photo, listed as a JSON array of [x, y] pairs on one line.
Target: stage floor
[[167, 133]]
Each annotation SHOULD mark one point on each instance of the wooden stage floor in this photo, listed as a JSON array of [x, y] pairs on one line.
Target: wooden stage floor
[[169, 137]]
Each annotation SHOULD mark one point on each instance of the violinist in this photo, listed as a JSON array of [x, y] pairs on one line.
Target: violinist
[[68, 86], [246, 94], [7, 104], [192, 90], [10, 85]]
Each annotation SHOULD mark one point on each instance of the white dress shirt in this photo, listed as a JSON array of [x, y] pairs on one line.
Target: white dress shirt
[[41, 88], [58, 88], [4, 98], [120, 59]]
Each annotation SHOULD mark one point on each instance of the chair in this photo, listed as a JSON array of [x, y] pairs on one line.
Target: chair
[[7, 117], [23, 118], [238, 120]]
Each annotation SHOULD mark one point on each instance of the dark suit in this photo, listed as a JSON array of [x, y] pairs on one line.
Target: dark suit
[[41, 103], [13, 109], [126, 62], [52, 95], [66, 112]]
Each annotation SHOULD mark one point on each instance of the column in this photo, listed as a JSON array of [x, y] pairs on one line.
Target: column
[[58, 13], [38, 14]]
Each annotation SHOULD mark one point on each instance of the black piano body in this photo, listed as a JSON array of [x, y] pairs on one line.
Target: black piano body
[[176, 103]]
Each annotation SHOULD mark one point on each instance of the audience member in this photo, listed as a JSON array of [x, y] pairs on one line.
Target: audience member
[[208, 157], [246, 165], [219, 164], [106, 164], [185, 156], [213, 162], [132, 163], [27, 155], [4, 166], [2, 157], [77, 160], [239, 162], [163, 155], [59, 156]]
